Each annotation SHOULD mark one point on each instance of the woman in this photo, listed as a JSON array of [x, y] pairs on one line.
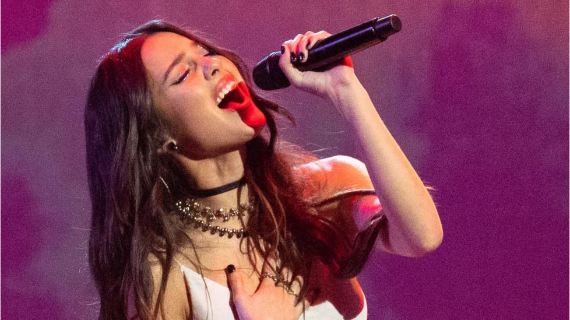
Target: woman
[[191, 194]]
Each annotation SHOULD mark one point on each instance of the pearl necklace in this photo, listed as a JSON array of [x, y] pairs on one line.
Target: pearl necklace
[[193, 212]]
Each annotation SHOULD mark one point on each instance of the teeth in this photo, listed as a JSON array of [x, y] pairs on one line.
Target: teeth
[[224, 91]]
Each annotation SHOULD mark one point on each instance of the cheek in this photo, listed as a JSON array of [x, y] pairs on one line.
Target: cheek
[[187, 105], [229, 66], [192, 120]]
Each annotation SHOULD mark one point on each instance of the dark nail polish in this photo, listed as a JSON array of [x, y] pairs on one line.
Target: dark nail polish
[[293, 57], [282, 49], [231, 268], [301, 56]]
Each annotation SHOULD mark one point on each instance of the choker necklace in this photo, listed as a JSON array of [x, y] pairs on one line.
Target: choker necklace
[[193, 212], [204, 193]]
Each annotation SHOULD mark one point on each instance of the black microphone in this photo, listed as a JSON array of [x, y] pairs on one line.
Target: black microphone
[[267, 74]]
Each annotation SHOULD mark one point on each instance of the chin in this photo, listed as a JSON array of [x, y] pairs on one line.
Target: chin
[[244, 138], [250, 133]]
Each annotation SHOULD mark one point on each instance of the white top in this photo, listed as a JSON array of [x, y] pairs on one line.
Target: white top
[[334, 177], [211, 301]]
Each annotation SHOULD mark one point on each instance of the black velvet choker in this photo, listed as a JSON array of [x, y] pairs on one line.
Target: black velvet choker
[[204, 193]]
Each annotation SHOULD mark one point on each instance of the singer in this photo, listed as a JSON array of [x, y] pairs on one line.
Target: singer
[[198, 212]]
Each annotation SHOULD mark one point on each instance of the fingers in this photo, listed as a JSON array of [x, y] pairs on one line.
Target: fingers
[[236, 284], [267, 278], [300, 45], [289, 70], [293, 290], [296, 284], [301, 49], [296, 50], [293, 47], [307, 42], [284, 282]]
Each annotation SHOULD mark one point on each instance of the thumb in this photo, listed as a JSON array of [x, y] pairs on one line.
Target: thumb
[[236, 283], [292, 73]]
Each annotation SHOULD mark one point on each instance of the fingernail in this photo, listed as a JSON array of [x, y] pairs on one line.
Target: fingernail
[[301, 56], [231, 268], [282, 49], [293, 57]]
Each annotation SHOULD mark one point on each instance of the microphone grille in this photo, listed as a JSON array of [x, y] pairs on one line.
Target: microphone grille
[[267, 74]]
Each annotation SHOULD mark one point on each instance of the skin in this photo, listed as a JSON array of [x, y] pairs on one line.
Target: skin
[[414, 227], [210, 140], [211, 148]]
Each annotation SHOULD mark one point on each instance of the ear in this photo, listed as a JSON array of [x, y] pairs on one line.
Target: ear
[[169, 145]]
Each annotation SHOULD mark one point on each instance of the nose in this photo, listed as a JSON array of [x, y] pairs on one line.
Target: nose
[[211, 67]]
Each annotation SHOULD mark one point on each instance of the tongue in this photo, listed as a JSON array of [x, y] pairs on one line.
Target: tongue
[[240, 100]]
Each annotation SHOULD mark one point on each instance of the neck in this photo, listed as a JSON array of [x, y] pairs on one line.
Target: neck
[[215, 172]]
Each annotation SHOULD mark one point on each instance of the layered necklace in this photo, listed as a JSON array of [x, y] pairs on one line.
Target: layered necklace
[[194, 213]]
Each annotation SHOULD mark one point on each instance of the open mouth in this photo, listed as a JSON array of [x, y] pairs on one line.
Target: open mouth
[[239, 99], [234, 99], [224, 92]]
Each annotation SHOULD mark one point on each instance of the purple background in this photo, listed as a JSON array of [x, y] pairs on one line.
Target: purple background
[[475, 92]]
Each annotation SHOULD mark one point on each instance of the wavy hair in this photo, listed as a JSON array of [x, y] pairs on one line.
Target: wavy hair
[[130, 211]]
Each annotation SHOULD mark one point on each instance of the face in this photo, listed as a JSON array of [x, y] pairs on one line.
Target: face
[[187, 82]]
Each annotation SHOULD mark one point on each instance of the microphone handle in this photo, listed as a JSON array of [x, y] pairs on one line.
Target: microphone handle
[[267, 74], [334, 48]]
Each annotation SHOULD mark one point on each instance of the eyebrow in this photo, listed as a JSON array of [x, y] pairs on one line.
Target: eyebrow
[[174, 63], [177, 60]]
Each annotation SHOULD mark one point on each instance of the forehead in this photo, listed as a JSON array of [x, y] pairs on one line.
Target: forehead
[[160, 49]]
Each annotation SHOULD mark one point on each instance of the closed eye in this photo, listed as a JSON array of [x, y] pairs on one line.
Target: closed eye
[[185, 75], [182, 78]]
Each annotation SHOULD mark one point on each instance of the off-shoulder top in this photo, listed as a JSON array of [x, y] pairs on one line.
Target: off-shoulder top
[[332, 178]]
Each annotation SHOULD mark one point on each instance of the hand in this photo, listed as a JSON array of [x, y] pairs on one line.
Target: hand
[[270, 301], [323, 84]]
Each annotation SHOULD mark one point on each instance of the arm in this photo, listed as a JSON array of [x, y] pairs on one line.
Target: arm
[[413, 225]]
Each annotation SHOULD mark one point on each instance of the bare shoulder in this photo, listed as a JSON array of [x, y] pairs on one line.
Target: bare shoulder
[[326, 177], [176, 298]]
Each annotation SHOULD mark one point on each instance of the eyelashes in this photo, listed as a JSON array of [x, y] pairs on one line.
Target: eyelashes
[[187, 72], [183, 77]]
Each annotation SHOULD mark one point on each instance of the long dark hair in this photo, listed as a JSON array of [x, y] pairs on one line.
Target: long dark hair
[[130, 219]]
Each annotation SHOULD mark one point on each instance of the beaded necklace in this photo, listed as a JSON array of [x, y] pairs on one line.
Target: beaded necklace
[[194, 213]]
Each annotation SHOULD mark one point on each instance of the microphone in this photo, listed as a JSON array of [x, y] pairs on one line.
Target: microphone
[[267, 74]]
